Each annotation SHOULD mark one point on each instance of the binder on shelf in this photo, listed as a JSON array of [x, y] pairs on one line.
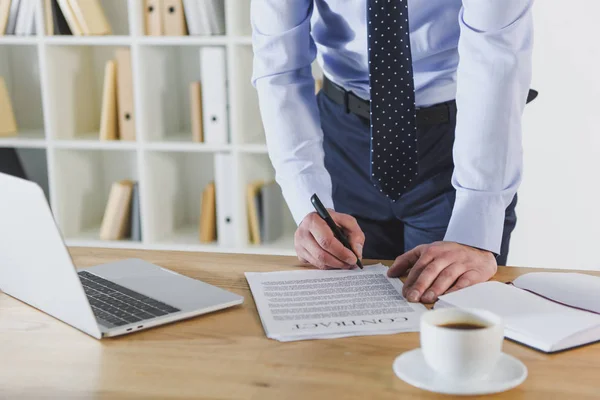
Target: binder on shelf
[[4, 12], [191, 10], [72, 22], [270, 212], [253, 206], [126, 120], [136, 222], [174, 18], [91, 17], [12, 17], [25, 18], [48, 18], [214, 94], [116, 220], [61, 27], [196, 112], [216, 15], [8, 123], [153, 10], [224, 181], [108, 116], [208, 214]]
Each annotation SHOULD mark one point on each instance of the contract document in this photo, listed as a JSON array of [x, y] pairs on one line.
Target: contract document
[[314, 304]]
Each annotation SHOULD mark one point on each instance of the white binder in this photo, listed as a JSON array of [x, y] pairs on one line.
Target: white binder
[[226, 219], [214, 95]]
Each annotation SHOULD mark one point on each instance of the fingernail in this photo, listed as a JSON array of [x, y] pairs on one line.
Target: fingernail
[[428, 296], [359, 249], [413, 295]]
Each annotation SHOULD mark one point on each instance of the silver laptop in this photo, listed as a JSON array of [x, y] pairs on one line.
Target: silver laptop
[[105, 300]]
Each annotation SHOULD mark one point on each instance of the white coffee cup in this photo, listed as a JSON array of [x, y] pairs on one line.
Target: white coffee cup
[[461, 354]]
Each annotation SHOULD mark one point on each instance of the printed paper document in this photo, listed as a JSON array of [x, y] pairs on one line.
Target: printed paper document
[[313, 304]]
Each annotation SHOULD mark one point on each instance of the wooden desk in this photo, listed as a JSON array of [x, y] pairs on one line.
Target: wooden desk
[[226, 355]]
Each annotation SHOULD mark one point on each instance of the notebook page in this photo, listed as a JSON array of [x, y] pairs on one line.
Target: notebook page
[[530, 317], [573, 289]]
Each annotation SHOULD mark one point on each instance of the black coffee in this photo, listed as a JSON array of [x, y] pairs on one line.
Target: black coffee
[[463, 326]]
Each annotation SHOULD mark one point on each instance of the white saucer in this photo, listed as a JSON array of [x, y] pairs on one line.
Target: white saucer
[[412, 368]]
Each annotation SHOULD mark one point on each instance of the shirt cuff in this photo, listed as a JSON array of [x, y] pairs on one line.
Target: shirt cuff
[[297, 193], [478, 221]]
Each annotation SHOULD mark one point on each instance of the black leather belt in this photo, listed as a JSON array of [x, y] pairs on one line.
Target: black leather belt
[[436, 114]]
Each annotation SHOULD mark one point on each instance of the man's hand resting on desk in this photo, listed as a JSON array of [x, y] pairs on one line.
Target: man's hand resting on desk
[[316, 244], [437, 268]]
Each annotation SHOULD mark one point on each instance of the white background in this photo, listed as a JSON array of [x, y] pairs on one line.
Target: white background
[[558, 215]]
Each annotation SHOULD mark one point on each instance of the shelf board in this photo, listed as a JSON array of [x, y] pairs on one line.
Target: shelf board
[[18, 40], [69, 40], [253, 148], [183, 142], [282, 246], [25, 139], [184, 238], [91, 141], [181, 40], [91, 238]]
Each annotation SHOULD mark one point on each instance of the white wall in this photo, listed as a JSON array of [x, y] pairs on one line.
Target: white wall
[[558, 215]]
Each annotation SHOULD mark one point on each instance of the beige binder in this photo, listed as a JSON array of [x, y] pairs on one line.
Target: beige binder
[[91, 17], [208, 214], [196, 112], [108, 116], [116, 221], [126, 120], [174, 18], [253, 190], [4, 11], [48, 18], [153, 10], [8, 124], [72, 21]]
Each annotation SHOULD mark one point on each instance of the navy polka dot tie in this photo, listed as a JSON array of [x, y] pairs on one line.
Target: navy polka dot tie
[[393, 118]]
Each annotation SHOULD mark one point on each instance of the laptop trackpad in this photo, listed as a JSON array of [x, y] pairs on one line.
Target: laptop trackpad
[[161, 284]]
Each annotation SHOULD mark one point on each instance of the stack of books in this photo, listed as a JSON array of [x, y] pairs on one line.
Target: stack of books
[[117, 120], [184, 17], [17, 17], [121, 218], [265, 211]]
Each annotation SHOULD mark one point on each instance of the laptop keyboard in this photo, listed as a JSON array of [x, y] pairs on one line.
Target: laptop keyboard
[[115, 305]]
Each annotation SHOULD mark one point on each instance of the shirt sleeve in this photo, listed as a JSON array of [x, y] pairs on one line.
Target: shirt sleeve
[[493, 78], [283, 54]]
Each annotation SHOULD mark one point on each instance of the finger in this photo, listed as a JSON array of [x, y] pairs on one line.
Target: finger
[[445, 279], [326, 240], [421, 277], [404, 262], [356, 236], [467, 279], [427, 256], [321, 258]]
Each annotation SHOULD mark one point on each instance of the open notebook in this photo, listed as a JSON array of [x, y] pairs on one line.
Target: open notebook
[[549, 311]]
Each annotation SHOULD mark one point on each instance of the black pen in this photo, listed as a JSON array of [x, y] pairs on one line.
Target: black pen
[[337, 232]]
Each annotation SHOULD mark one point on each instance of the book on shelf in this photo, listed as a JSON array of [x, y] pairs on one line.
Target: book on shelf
[[4, 12], [13, 13], [265, 211], [126, 120], [136, 218], [195, 92], [208, 214], [25, 24], [10, 163], [8, 123], [60, 26], [108, 118], [76, 17], [116, 222], [205, 17]]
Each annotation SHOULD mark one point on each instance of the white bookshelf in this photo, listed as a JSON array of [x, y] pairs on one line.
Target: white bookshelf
[[55, 84]]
